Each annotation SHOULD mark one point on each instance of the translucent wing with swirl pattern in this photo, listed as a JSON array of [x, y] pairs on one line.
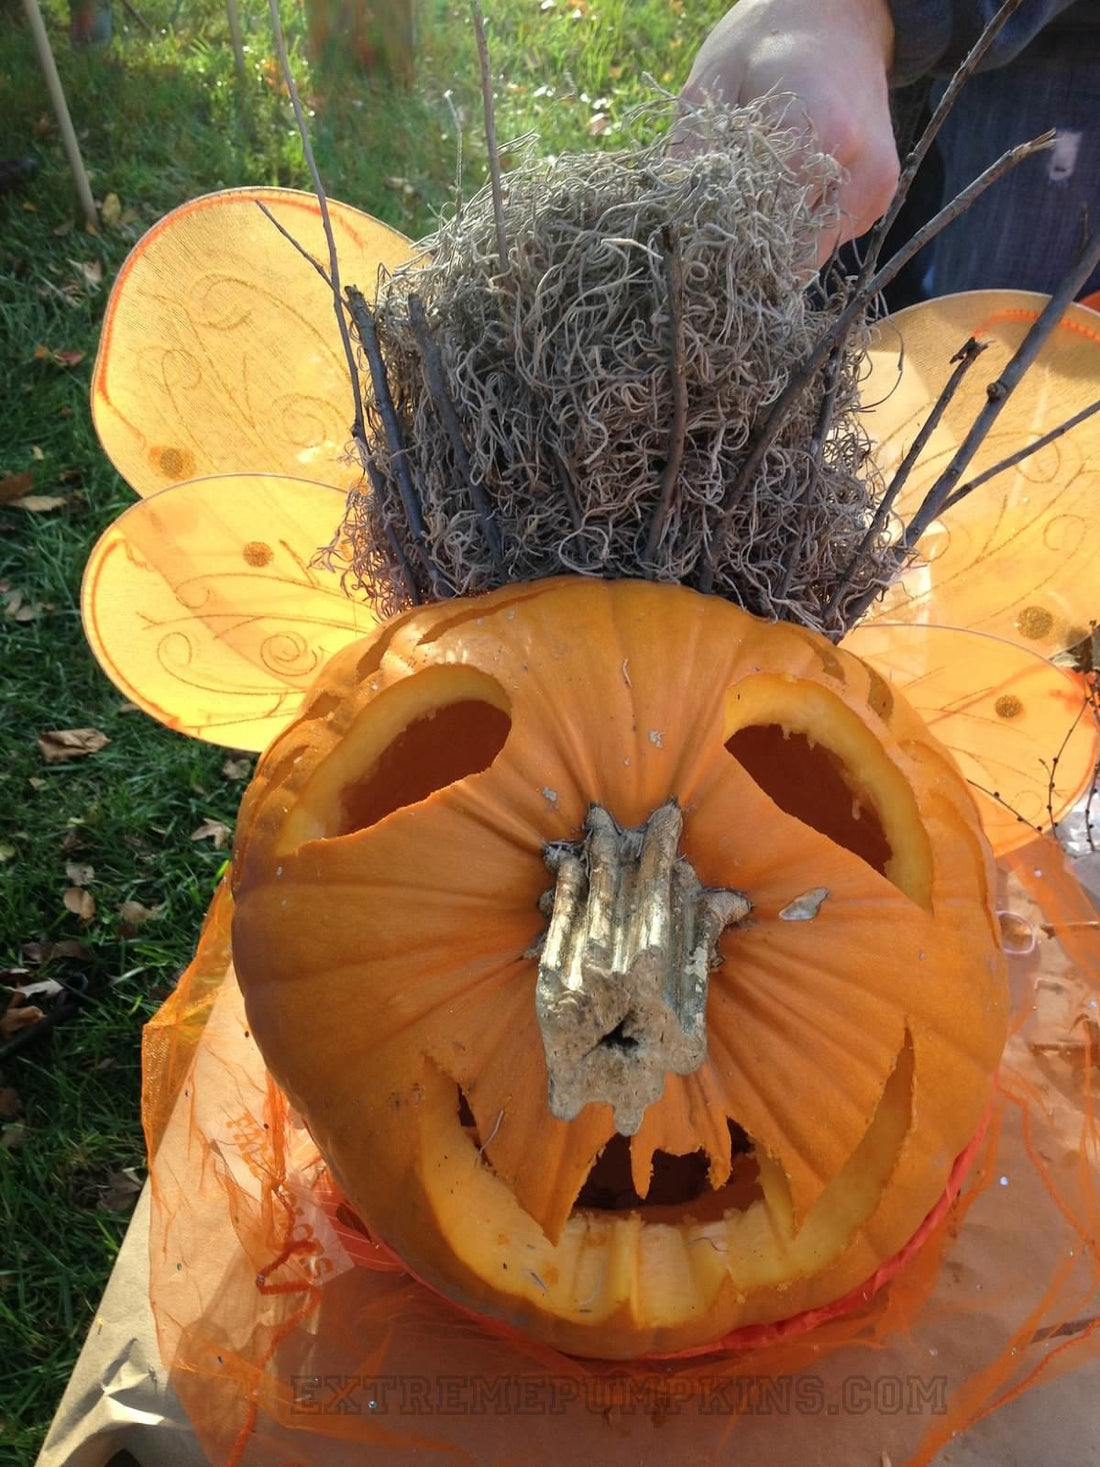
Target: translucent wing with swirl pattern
[[203, 605], [1018, 726], [220, 351]]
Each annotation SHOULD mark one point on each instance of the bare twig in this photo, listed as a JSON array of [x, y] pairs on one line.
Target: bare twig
[[358, 431], [1052, 771], [675, 457], [919, 151], [966, 356], [997, 394], [448, 97], [1022, 453], [776, 420], [235, 39], [565, 485], [286, 234], [395, 438], [437, 386], [1000, 391], [37, 28], [995, 796], [817, 450], [136, 14], [490, 129], [397, 550], [917, 156]]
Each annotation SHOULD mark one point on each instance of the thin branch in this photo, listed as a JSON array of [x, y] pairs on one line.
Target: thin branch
[[776, 420], [817, 451], [1052, 771], [1021, 454], [448, 97], [136, 14], [397, 550], [565, 485], [358, 430], [234, 18], [286, 234], [437, 386], [395, 438], [671, 472], [999, 392], [490, 129], [995, 796], [966, 356], [919, 151]]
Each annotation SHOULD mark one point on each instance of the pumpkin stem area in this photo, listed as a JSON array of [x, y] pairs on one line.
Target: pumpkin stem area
[[621, 995]]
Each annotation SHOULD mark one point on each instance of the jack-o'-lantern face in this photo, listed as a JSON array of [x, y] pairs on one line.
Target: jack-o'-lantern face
[[632, 961]]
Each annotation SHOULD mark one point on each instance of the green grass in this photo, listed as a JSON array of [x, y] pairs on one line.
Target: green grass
[[161, 120]]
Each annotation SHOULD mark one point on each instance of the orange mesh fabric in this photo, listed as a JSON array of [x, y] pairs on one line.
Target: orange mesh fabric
[[286, 1349]]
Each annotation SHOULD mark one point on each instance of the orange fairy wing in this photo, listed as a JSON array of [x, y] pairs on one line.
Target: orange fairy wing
[[203, 608], [220, 351], [1018, 558], [1018, 726]]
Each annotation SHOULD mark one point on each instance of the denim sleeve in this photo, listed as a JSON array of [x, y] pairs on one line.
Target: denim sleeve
[[933, 36]]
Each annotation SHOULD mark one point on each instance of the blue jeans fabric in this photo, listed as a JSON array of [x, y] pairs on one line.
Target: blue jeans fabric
[[1026, 230]]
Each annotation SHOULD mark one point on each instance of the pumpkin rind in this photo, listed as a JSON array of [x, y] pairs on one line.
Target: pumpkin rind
[[388, 968]]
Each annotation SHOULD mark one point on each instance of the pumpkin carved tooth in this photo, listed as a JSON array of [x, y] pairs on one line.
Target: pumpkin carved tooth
[[621, 995]]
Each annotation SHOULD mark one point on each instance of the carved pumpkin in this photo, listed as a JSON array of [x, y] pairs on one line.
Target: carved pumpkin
[[720, 1073]]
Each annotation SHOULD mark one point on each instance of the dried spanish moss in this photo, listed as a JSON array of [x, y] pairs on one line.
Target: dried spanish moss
[[642, 294]]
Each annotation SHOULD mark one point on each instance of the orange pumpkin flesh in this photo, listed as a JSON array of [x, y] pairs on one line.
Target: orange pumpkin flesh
[[387, 877]]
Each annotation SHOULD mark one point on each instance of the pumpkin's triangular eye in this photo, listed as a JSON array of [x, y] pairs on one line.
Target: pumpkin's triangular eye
[[1019, 727], [1017, 557], [220, 351], [203, 606]]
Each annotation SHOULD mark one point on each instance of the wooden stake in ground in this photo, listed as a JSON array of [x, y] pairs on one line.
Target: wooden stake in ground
[[61, 110]]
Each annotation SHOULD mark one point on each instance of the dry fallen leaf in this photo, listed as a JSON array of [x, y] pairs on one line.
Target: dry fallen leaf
[[91, 270], [120, 1192], [37, 953], [6, 853], [135, 914], [77, 900], [128, 708], [60, 744], [37, 454], [79, 873], [65, 227], [598, 124], [214, 830], [18, 1015], [111, 210], [10, 1104], [15, 486], [68, 358], [11, 1138], [237, 768], [41, 503]]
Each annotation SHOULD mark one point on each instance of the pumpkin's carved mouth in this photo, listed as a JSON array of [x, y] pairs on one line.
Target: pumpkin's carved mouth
[[679, 1191], [685, 1248]]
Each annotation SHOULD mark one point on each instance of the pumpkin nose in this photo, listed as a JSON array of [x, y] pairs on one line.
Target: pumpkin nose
[[624, 965]]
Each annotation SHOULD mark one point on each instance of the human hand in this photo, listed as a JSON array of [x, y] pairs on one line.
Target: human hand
[[832, 57]]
